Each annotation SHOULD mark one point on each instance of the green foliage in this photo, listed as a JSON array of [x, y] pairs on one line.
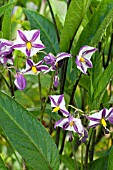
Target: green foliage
[[6, 24], [27, 135], [74, 17], [2, 166], [4, 8], [48, 33], [96, 27]]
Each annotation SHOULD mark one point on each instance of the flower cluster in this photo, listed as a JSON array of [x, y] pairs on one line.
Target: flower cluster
[[73, 124], [69, 122]]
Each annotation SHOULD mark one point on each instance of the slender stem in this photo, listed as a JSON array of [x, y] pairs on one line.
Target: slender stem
[[40, 94], [87, 149], [54, 21], [82, 151], [73, 149], [63, 141], [11, 85], [91, 150], [73, 92], [5, 81]]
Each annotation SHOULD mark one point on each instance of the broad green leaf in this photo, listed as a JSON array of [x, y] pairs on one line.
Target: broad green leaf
[[74, 17], [96, 27], [99, 164], [27, 135], [101, 86], [48, 32], [2, 166], [6, 24], [104, 80], [110, 160], [4, 8]]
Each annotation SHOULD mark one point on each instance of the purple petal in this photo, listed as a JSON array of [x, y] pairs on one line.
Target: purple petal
[[85, 136], [65, 125], [103, 113], [35, 35], [61, 56], [58, 122], [109, 114], [110, 119], [60, 99], [78, 63], [42, 68], [29, 62], [76, 129], [51, 98], [22, 36], [40, 62], [20, 82], [93, 119], [94, 125], [88, 63], [56, 80], [89, 51], [50, 59], [38, 46], [18, 46], [28, 52], [64, 112]]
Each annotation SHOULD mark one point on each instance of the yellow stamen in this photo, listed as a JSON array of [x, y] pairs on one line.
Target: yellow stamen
[[34, 69], [56, 109], [103, 122], [28, 45], [71, 123], [56, 65], [82, 59]]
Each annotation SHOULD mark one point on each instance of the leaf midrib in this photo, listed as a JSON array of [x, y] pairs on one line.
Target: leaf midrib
[[28, 136]]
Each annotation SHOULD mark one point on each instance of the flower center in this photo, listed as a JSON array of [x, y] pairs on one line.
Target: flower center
[[103, 122], [71, 123], [82, 59], [56, 65], [34, 69], [28, 45], [56, 109]]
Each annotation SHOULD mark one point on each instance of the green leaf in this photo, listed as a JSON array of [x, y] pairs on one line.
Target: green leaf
[[101, 86], [6, 24], [99, 164], [104, 80], [2, 166], [110, 160], [48, 32], [96, 27], [74, 17], [27, 135], [4, 8]]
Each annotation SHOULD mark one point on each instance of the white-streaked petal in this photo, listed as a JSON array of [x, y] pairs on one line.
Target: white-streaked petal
[[61, 122], [97, 115], [56, 97]]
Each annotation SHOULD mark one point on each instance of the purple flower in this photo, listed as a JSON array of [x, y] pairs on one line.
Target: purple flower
[[58, 102], [101, 117], [83, 61], [28, 42], [6, 51], [73, 124], [34, 68], [20, 81], [56, 80], [55, 62]]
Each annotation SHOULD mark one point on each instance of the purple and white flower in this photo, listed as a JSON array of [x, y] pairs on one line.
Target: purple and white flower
[[101, 117], [28, 42], [34, 68], [6, 51], [55, 62], [58, 102], [83, 61], [20, 81], [73, 124], [56, 79]]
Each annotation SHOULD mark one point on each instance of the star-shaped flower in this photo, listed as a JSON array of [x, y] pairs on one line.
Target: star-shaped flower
[[73, 124], [101, 117], [34, 68], [28, 42], [83, 61], [58, 102]]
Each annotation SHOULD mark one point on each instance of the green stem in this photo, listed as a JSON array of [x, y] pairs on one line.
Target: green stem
[[5, 81], [76, 164], [54, 21], [82, 151], [40, 94], [11, 85]]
